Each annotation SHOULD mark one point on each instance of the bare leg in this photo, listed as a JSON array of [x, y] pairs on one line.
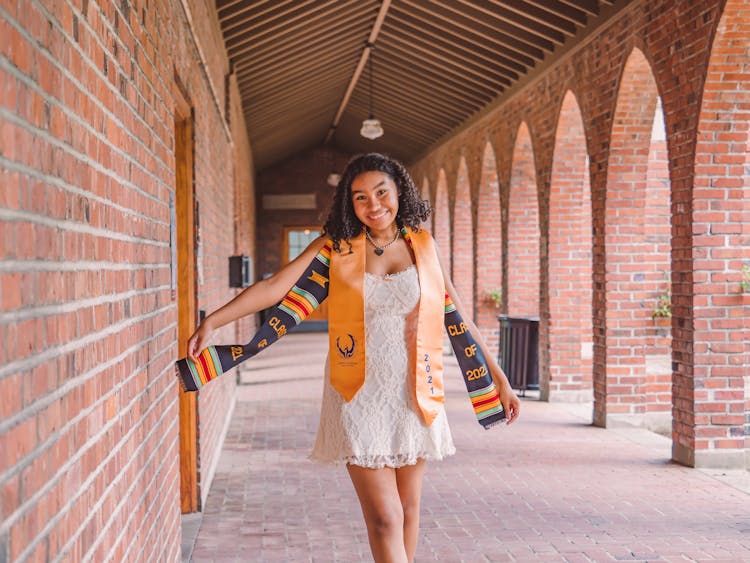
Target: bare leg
[[409, 483], [384, 516]]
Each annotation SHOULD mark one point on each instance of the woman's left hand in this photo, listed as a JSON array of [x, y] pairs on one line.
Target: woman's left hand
[[509, 400]]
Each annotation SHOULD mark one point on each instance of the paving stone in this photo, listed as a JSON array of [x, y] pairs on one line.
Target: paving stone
[[549, 488]]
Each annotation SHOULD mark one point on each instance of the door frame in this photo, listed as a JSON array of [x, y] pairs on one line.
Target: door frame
[[187, 301]]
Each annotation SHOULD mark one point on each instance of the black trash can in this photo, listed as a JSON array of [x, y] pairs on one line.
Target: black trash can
[[518, 353]]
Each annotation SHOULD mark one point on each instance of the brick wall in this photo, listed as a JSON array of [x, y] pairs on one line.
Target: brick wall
[[713, 409], [570, 335], [523, 231], [708, 233], [656, 387], [637, 219], [89, 461], [305, 173], [462, 241], [442, 222], [488, 254]]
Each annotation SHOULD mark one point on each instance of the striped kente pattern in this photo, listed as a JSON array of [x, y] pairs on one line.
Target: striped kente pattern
[[299, 303], [479, 383], [207, 367], [485, 401], [308, 293]]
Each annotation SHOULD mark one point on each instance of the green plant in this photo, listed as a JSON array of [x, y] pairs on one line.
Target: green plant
[[745, 281], [663, 308], [494, 297]]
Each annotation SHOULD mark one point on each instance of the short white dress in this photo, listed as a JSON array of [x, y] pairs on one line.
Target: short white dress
[[381, 426]]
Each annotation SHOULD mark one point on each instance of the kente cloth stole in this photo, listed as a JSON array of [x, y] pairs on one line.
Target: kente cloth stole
[[346, 333], [346, 323]]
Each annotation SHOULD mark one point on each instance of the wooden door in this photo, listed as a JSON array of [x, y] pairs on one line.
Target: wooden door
[[186, 295], [296, 240]]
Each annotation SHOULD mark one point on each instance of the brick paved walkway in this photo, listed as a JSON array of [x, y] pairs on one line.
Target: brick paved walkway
[[549, 488]]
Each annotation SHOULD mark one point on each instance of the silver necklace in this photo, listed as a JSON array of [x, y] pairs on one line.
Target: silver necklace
[[380, 249]]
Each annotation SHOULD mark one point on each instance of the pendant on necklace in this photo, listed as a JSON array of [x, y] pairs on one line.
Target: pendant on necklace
[[379, 251]]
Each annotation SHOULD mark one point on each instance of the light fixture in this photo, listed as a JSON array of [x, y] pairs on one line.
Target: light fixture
[[333, 179], [371, 127]]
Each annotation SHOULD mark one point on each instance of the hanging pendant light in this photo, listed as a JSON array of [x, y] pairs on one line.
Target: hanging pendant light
[[371, 127]]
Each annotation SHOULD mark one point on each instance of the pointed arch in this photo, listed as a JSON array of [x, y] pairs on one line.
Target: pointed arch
[[489, 249], [442, 220], [570, 262], [636, 384], [523, 230], [463, 240]]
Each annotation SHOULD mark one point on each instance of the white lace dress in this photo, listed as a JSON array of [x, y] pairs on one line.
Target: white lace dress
[[381, 426]]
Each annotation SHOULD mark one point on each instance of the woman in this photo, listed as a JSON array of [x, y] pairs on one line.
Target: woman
[[383, 418]]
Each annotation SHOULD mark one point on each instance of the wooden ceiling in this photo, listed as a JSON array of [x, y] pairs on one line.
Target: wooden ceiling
[[303, 75]]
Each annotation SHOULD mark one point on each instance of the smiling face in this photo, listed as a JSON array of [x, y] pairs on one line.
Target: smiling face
[[375, 200]]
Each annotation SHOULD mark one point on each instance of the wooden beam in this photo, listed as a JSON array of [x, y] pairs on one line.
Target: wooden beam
[[522, 27], [243, 26], [542, 14], [252, 53], [232, 7], [298, 29], [591, 7], [457, 19], [294, 89], [268, 127], [449, 39], [463, 56], [444, 72], [571, 13], [344, 42], [360, 66], [418, 93], [409, 73]]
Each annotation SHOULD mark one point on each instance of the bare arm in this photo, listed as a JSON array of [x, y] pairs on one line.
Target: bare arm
[[257, 297], [508, 398]]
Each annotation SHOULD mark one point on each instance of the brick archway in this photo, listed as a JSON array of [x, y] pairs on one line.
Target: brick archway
[[711, 425], [570, 262], [523, 231], [442, 221], [489, 255], [636, 386], [463, 241]]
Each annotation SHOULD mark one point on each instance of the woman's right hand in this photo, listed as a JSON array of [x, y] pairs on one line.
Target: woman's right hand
[[199, 340]]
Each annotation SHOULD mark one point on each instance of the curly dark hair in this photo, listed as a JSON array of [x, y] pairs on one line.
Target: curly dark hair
[[342, 223]]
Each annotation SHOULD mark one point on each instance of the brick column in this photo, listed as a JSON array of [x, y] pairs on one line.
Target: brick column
[[712, 390]]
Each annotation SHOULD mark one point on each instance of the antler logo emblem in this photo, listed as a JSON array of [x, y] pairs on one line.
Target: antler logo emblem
[[346, 351]]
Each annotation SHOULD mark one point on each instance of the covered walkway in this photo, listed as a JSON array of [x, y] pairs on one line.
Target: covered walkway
[[587, 163], [550, 488]]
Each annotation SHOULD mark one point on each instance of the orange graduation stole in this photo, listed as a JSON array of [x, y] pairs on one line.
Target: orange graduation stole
[[346, 322]]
